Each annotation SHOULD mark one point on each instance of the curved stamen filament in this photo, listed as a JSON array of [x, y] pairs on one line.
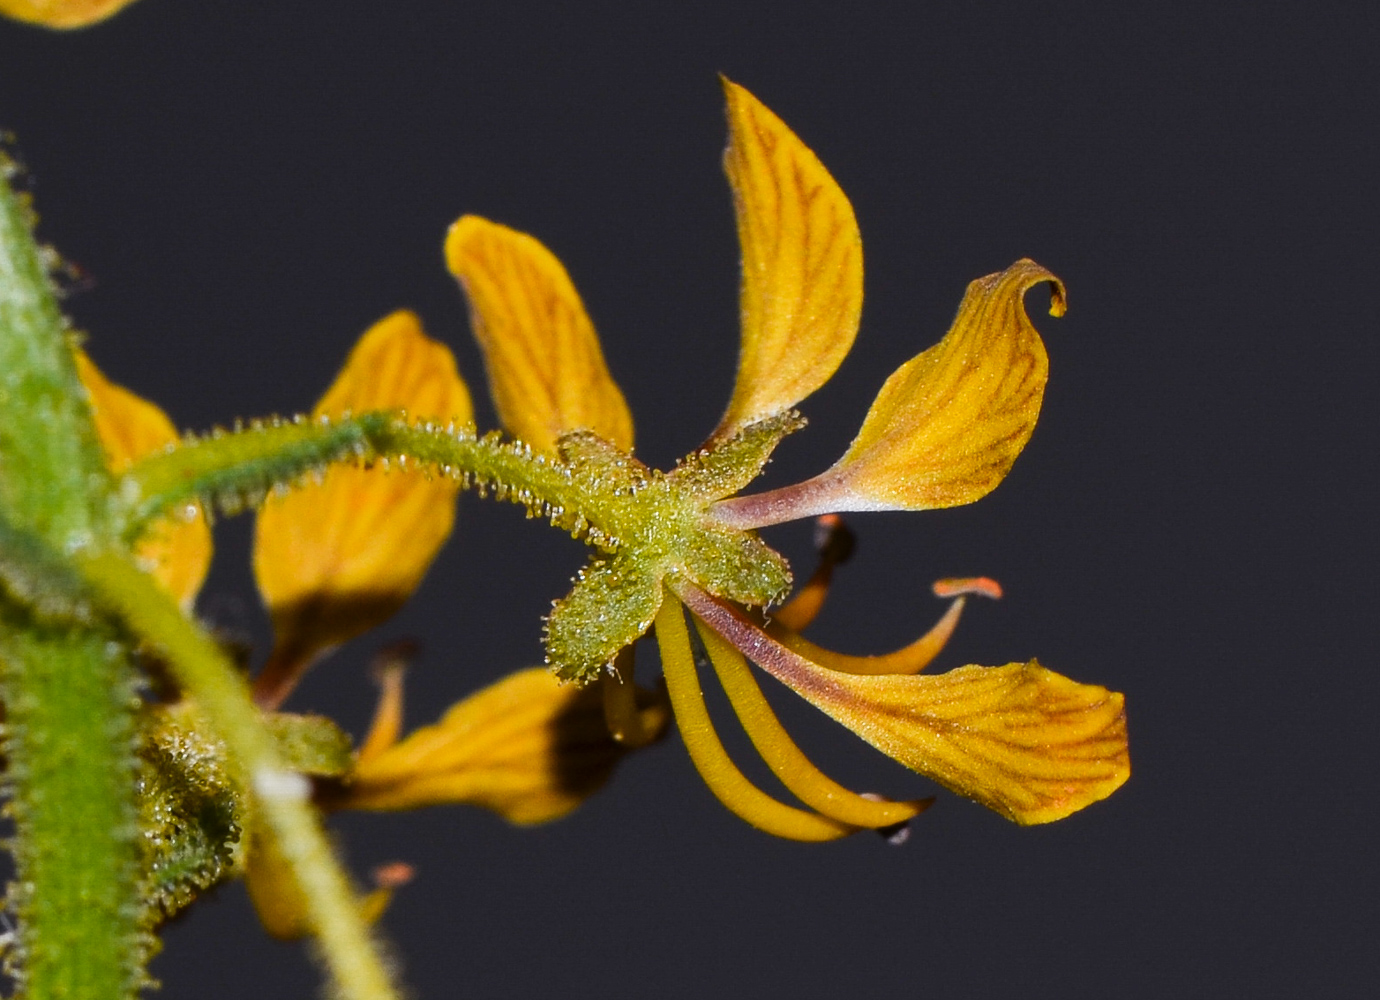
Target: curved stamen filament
[[785, 759], [907, 660], [627, 725], [728, 784]]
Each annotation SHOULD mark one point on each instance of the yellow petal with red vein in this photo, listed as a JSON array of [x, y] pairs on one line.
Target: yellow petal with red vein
[[949, 423], [801, 291], [527, 747], [61, 13], [339, 557], [176, 550], [1022, 740], [546, 370]]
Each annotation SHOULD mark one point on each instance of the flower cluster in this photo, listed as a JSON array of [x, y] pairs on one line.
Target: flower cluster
[[678, 552]]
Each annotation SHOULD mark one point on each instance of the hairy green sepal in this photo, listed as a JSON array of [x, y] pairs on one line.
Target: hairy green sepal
[[192, 810]]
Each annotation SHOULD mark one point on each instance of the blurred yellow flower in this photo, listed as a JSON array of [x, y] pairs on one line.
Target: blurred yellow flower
[[62, 13]]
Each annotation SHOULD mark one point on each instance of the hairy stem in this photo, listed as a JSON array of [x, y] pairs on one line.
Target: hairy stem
[[235, 470], [280, 797], [67, 691], [69, 744]]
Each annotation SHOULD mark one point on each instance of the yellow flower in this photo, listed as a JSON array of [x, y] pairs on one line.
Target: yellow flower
[[944, 430]]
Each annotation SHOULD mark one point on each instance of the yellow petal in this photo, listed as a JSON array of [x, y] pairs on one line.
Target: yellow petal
[[281, 907], [546, 370], [280, 904], [949, 423], [528, 747], [1022, 740], [176, 550], [337, 558], [61, 13], [802, 265]]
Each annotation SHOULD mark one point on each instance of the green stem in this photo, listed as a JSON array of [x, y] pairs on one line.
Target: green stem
[[70, 747], [280, 796], [237, 468], [234, 470], [66, 689], [513, 471]]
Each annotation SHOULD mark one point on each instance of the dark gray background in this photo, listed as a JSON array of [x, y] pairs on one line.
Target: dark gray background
[[247, 187]]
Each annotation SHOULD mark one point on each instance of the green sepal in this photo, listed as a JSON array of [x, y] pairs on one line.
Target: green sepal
[[191, 812], [612, 604], [711, 474], [311, 744], [600, 467], [738, 566]]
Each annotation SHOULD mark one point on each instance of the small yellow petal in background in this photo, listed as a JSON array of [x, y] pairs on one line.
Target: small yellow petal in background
[[1022, 740], [802, 265], [527, 747], [546, 370], [282, 908], [177, 550], [61, 13], [949, 423], [337, 558]]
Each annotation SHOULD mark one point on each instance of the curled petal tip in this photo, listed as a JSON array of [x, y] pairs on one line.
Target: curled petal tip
[[948, 424]]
